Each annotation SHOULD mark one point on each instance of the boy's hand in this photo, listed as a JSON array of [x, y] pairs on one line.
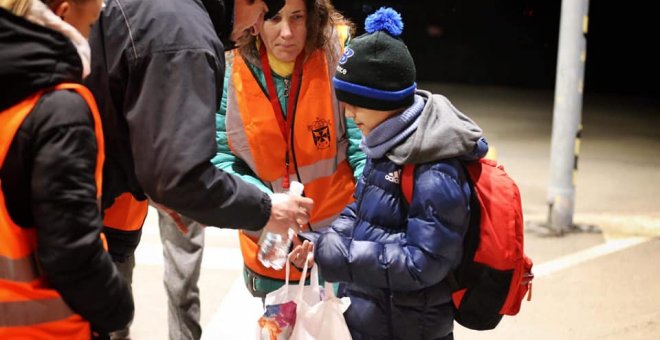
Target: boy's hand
[[302, 252]]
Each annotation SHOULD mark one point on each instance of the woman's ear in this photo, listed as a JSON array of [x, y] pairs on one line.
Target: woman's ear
[[62, 9]]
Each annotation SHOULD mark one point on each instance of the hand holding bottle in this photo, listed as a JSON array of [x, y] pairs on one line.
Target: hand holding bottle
[[288, 212]]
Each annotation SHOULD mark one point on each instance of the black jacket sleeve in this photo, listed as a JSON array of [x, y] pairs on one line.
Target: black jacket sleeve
[[157, 72], [67, 216], [170, 106]]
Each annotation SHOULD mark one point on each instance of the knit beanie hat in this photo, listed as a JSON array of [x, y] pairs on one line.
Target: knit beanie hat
[[377, 71]]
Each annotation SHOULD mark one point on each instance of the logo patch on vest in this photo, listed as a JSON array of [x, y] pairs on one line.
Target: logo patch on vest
[[321, 133]]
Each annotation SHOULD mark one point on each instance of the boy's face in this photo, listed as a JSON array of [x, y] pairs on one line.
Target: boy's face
[[366, 119]]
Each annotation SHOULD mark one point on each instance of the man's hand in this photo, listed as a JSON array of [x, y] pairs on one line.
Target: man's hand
[[288, 211]]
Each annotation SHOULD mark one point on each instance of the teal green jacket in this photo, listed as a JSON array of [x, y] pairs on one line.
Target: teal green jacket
[[227, 161]]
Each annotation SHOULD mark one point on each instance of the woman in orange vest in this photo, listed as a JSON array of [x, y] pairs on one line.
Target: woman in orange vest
[[297, 134], [56, 279]]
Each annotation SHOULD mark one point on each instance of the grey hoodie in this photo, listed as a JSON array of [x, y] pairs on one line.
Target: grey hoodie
[[442, 132]]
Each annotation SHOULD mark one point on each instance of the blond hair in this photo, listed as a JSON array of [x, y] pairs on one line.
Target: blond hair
[[17, 7]]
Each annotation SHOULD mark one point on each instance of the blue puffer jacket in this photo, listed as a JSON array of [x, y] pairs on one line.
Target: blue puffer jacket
[[395, 256], [391, 257]]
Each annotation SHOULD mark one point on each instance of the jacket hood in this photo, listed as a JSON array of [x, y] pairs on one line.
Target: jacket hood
[[443, 132], [33, 57]]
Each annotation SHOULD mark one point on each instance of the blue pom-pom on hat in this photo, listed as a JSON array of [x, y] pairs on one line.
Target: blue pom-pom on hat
[[384, 19], [377, 71]]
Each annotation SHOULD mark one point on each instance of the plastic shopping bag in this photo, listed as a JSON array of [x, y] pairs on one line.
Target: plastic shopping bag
[[322, 320], [279, 317]]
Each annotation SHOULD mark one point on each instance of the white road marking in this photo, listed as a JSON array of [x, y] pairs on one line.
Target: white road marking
[[571, 260]]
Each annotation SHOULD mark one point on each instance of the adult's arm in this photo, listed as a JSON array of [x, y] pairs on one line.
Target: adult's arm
[[67, 216], [170, 105]]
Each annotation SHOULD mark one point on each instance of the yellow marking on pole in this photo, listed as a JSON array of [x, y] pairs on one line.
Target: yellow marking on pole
[[492, 153], [576, 152], [585, 24]]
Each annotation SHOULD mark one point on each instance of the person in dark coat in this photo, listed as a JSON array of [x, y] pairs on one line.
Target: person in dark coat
[[48, 179], [157, 74], [391, 257]]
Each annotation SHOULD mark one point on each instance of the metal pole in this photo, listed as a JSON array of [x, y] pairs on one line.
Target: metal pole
[[567, 114]]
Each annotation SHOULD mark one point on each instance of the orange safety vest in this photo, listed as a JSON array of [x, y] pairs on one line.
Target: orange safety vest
[[126, 213], [317, 155], [29, 307]]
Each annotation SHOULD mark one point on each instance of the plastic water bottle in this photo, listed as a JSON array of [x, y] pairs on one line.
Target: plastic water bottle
[[274, 247]]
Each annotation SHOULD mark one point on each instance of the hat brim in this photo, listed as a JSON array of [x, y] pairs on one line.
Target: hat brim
[[375, 99]]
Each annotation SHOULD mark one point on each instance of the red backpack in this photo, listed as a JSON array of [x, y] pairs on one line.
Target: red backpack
[[494, 274]]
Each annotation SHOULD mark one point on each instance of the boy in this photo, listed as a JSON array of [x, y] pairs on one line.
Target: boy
[[390, 256]]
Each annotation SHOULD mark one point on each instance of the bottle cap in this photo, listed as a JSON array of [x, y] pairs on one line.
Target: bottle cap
[[296, 188]]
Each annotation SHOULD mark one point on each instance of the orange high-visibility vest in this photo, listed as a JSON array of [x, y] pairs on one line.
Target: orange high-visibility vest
[[318, 151], [29, 307], [126, 213]]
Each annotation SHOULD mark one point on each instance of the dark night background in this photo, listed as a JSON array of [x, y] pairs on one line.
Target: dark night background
[[514, 42]]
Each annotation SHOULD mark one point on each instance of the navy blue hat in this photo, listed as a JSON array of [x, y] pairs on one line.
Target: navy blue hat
[[377, 71]]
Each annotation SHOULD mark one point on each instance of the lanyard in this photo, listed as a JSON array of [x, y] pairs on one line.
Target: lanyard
[[285, 123]]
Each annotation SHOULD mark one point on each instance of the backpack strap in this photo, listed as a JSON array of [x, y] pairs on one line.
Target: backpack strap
[[459, 277], [407, 176]]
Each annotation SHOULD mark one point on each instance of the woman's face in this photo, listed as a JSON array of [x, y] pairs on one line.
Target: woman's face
[[80, 14], [285, 33]]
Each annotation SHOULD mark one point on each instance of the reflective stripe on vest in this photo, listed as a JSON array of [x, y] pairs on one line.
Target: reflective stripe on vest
[[19, 313], [29, 308], [22, 269], [319, 143]]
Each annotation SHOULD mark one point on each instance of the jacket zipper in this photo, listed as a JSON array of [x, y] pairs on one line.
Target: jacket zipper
[[287, 87]]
